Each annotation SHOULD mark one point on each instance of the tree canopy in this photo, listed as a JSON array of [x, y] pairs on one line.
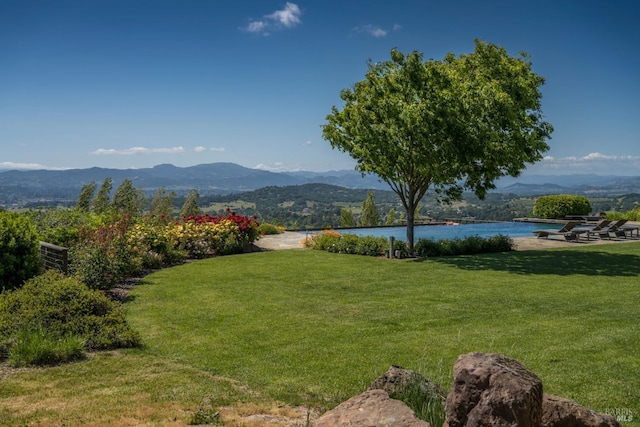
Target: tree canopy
[[450, 125]]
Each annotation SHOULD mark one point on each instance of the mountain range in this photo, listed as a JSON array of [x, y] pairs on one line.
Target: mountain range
[[16, 186]]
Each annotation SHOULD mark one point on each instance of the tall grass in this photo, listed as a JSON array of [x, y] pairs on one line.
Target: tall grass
[[35, 346]]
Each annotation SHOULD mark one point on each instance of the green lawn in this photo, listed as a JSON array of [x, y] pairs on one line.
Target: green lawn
[[313, 328]]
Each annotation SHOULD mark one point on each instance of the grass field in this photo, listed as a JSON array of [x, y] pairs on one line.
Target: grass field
[[303, 327]]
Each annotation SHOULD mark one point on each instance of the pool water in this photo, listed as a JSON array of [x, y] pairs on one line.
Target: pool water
[[437, 232]]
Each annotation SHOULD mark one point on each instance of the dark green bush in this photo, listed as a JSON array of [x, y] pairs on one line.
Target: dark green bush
[[332, 241], [64, 307], [19, 250], [561, 205], [468, 246]]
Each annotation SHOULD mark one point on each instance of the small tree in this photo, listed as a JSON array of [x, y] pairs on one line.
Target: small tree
[[190, 206], [102, 201], [346, 218], [162, 204], [455, 124], [128, 200], [391, 217], [370, 216], [86, 195]]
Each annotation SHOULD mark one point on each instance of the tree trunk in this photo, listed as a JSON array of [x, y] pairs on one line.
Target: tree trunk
[[410, 220]]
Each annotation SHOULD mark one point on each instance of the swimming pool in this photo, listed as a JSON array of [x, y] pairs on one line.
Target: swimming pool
[[437, 232]]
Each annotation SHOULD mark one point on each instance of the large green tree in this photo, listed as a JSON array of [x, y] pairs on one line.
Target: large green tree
[[450, 125]]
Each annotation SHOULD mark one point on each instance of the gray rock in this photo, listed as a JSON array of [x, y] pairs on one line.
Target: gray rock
[[397, 380], [373, 408], [493, 390], [561, 412]]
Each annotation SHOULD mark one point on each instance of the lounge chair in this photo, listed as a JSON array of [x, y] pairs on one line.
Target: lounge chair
[[590, 230], [617, 228], [621, 229], [566, 231]]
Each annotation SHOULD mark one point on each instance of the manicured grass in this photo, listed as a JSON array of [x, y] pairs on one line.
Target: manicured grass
[[314, 328]]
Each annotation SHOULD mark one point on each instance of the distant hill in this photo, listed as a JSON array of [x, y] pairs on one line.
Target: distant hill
[[42, 186]]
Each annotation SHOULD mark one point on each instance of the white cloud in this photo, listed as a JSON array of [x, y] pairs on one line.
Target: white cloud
[[593, 163], [371, 30], [278, 167], [138, 150], [200, 149], [219, 149], [288, 17], [308, 143], [27, 166]]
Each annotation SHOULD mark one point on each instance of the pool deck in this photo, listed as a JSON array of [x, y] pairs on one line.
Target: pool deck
[[295, 239]]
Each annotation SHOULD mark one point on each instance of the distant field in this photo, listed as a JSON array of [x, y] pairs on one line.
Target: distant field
[[303, 327]]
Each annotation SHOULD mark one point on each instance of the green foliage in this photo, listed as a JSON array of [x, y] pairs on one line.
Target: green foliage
[[62, 226], [460, 123], [346, 218], [391, 217], [161, 208], [86, 195], [632, 215], [267, 229], [427, 404], [128, 200], [332, 241], [561, 205], [35, 346], [102, 202], [190, 206], [206, 416], [104, 256], [468, 246], [19, 250], [370, 216], [63, 307]]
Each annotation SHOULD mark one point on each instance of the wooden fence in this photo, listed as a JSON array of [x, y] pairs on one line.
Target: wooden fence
[[54, 257]]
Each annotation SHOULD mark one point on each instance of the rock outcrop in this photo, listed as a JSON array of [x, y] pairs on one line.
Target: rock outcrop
[[397, 380], [493, 390], [373, 408], [560, 412], [489, 390]]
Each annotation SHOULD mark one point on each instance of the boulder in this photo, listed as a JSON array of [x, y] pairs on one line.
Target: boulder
[[561, 412], [398, 380], [372, 408], [493, 390]]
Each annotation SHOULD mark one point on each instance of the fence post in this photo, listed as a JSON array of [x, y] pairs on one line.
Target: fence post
[[54, 257]]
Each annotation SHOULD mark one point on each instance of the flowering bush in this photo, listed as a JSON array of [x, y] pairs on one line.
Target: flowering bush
[[206, 235]]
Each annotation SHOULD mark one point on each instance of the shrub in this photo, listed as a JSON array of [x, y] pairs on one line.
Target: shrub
[[561, 205], [469, 246], [332, 241], [19, 250], [63, 307], [62, 226], [105, 256], [267, 229]]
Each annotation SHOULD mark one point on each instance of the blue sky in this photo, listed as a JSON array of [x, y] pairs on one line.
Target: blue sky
[[136, 83]]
